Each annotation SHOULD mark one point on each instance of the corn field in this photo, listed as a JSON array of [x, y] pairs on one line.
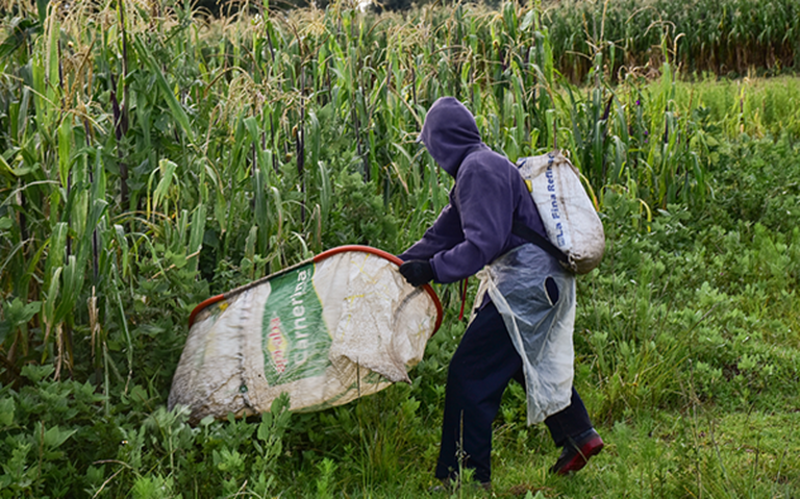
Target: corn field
[[704, 35], [141, 143], [151, 157]]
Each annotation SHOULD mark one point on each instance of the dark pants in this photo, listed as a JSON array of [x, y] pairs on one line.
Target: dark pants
[[480, 370]]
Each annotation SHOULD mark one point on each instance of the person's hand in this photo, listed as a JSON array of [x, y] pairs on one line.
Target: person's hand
[[417, 272]]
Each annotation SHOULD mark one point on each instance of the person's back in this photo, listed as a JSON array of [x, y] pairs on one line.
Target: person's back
[[488, 196]]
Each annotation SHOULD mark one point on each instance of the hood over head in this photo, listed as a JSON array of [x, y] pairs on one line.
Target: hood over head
[[449, 133]]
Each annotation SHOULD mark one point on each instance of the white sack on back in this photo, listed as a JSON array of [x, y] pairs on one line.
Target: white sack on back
[[568, 214]]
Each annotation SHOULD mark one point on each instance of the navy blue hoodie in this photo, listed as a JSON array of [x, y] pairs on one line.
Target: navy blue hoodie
[[489, 194]]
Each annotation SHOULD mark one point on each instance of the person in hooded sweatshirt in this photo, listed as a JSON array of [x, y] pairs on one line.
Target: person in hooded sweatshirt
[[473, 232]]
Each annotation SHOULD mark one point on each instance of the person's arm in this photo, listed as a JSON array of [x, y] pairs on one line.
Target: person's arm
[[443, 234], [486, 207]]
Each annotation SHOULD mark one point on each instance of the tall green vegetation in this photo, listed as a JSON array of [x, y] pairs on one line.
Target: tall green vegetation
[[722, 37], [150, 158], [147, 137]]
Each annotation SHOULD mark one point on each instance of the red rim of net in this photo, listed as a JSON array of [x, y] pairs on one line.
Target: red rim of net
[[318, 258]]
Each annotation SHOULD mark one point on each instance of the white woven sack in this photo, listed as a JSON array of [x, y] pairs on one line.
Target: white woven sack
[[569, 217], [327, 331]]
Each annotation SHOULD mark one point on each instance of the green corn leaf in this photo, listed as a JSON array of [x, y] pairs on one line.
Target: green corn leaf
[[325, 191], [251, 124], [528, 19], [182, 230], [52, 85], [250, 243], [5, 166], [167, 169], [65, 145], [58, 244], [72, 279], [41, 6], [122, 242], [197, 231], [99, 181], [261, 208], [93, 220], [276, 196], [178, 113], [51, 298]]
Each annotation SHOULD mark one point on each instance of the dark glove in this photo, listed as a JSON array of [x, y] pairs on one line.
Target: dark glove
[[417, 272]]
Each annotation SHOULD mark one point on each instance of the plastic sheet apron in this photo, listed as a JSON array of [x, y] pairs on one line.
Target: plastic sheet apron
[[540, 330]]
